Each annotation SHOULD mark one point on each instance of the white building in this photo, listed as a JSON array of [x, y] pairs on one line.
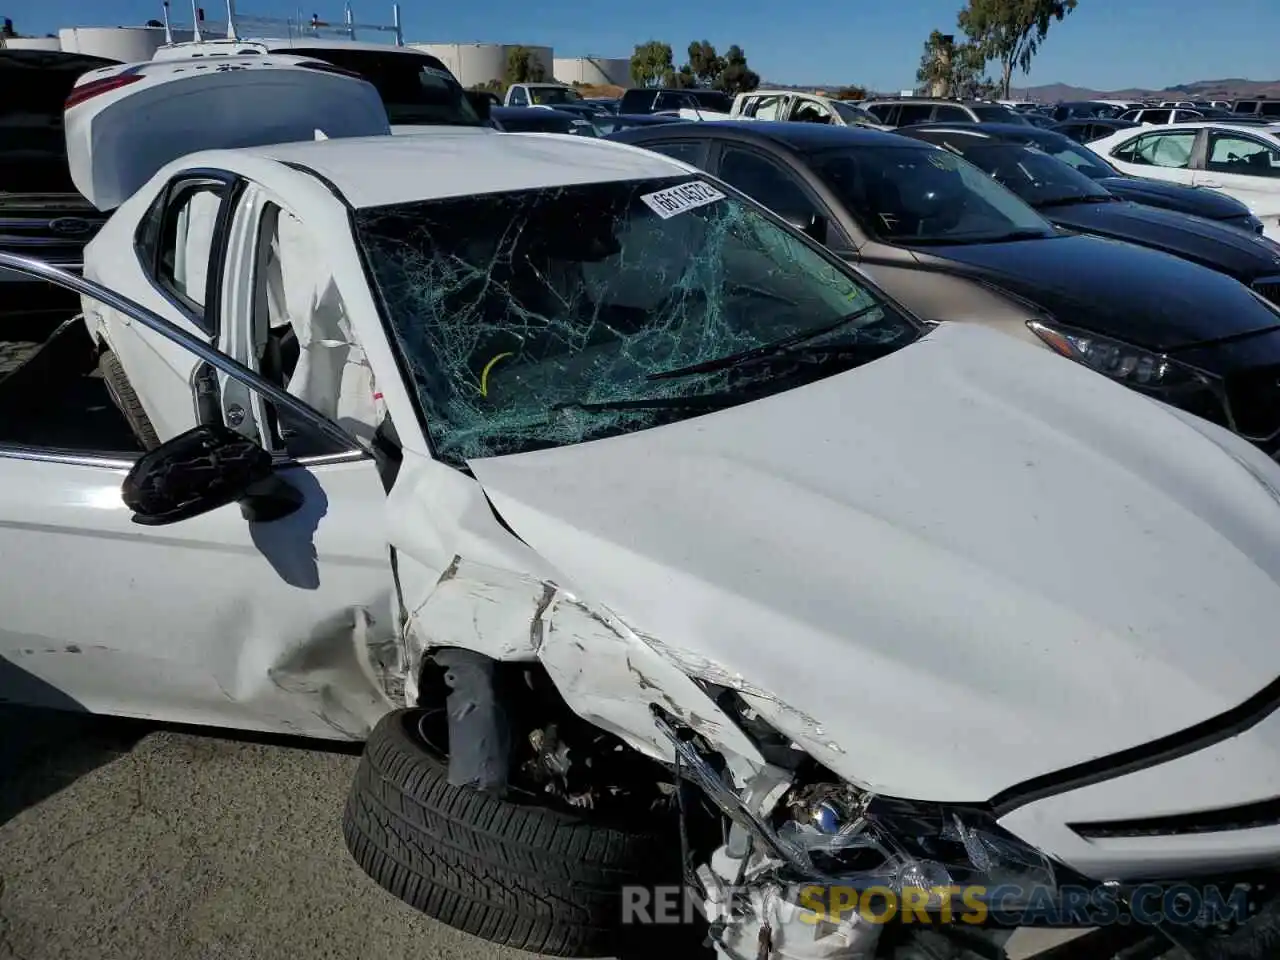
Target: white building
[[476, 63], [594, 70], [124, 44]]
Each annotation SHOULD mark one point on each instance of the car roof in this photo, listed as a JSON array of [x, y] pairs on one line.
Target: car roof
[[1204, 124], [376, 171], [803, 137]]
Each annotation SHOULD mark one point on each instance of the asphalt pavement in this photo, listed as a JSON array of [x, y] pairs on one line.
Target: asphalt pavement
[[121, 841]]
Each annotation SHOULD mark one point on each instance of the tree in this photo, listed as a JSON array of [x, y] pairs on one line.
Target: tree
[[850, 93], [524, 67], [652, 64], [1011, 31], [948, 69], [705, 65], [736, 77]]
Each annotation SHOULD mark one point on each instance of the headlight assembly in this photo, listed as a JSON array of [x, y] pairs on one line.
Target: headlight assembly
[[1137, 367], [843, 836]]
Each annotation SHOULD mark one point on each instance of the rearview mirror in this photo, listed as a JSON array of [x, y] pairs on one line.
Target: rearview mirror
[[201, 470], [810, 224]]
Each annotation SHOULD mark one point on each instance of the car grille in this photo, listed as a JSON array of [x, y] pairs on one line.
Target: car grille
[[1254, 398]]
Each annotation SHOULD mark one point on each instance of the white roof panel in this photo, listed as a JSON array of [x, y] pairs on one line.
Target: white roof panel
[[454, 162]]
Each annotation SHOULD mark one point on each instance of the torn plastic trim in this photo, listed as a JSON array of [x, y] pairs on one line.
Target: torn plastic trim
[[694, 767]]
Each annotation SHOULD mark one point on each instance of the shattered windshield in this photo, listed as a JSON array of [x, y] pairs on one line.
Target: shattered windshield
[[918, 195], [548, 317]]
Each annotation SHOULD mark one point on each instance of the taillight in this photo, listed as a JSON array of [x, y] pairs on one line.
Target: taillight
[[94, 87], [325, 67]]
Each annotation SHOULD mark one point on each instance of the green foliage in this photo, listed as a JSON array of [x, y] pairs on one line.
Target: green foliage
[[492, 86], [704, 65], [1011, 31], [652, 65], [962, 73], [736, 77], [524, 67]]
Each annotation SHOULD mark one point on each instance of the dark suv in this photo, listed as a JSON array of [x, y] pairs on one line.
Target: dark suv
[[1257, 108], [909, 112], [41, 213], [660, 99]]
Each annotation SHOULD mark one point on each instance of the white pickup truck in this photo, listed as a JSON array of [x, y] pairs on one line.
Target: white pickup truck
[[646, 544], [540, 95]]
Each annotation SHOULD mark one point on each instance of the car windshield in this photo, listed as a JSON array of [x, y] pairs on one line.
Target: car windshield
[[1080, 158], [999, 115], [415, 88], [926, 195], [542, 318], [542, 95], [1033, 175], [851, 114]]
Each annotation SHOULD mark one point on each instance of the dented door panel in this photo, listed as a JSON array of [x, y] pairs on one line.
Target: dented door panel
[[212, 620]]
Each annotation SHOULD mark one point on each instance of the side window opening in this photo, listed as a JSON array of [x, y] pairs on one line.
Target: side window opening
[[304, 337], [186, 245], [687, 151]]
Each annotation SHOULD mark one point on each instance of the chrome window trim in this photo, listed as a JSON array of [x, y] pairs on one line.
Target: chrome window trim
[[119, 461]]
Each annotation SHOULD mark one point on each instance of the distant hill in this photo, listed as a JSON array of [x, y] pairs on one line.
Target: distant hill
[[1229, 89]]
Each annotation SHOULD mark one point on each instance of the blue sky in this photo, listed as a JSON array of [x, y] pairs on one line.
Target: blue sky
[[1104, 45]]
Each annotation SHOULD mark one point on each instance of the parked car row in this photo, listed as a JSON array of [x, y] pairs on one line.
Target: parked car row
[[688, 508]]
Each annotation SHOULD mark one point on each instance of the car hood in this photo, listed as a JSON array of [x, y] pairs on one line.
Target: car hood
[[967, 541], [1225, 249], [1203, 203], [1144, 297]]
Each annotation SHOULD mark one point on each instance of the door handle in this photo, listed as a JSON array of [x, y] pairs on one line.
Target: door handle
[[1211, 183]]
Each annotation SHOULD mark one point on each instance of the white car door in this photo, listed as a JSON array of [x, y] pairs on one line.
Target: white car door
[[271, 623], [1160, 155], [1243, 166]]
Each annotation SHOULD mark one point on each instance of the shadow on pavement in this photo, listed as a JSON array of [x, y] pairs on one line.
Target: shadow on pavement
[[44, 749]]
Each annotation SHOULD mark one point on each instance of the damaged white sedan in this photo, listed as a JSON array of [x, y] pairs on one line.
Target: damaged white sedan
[[643, 541]]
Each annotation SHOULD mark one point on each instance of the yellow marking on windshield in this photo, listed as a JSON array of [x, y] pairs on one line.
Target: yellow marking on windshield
[[484, 374]]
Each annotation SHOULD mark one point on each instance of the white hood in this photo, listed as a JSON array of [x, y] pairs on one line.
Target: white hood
[[967, 564]]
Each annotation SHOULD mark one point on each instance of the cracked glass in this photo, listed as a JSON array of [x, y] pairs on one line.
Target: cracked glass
[[541, 318]]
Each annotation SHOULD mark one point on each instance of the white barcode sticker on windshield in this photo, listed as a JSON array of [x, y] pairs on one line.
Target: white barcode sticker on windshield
[[667, 203]]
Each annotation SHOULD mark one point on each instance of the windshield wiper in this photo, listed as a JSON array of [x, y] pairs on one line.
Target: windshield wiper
[[700, 401], [765, 350]]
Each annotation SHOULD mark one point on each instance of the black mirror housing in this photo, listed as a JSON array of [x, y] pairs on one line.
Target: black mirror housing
[[481, 102], [811, 225], [198, 471]]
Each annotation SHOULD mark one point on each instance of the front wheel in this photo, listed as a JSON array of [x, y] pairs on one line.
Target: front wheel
[[522, 874]]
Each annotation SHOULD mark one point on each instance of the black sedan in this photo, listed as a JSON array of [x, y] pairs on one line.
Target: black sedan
[[1210, 204], [1070, 199], [1086, 129], [540, 120], [952, 244]]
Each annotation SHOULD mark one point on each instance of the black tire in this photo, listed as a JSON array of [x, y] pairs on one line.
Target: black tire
[[126, 401], [530, 877]]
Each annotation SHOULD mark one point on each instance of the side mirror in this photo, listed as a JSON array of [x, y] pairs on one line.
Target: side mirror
[[481, 102], [810, 224], [201, 470]]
